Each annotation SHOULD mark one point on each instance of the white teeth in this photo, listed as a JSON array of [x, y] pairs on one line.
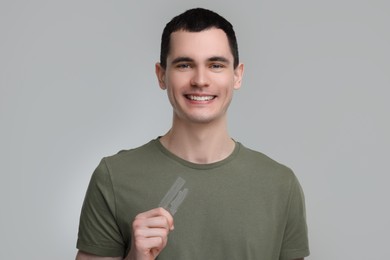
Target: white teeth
[[200, 98]]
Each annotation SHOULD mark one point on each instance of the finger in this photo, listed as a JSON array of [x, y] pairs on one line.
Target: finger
[[168, 216], [157, 212], [159, 222], [150, 244], [151, 232], [154, 213]]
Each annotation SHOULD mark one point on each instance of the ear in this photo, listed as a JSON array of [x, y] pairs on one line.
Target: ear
[[238, 73], [160, 73]]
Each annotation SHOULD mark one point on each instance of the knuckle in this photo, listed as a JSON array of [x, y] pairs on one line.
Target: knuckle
[[137, 233], [165, 233], [139, 244], [161, 242], [136, 224], [160, 210]]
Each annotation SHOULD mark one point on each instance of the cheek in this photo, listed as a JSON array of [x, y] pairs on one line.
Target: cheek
[[176, 80], [174, 90], [226, 83]]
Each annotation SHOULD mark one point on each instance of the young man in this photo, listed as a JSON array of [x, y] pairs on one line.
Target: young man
[[235, 203]]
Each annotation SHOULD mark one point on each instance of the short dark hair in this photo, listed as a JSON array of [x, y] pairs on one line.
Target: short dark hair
[[197, 20]]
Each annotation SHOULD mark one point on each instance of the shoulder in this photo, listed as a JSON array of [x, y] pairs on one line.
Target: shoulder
[[134, 155], [269, 169], [259, 159], [125, 164]]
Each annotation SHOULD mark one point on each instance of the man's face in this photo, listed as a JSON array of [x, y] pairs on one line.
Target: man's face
[[199, 76]]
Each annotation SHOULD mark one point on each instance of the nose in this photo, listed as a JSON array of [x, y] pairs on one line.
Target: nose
[[200, 78]]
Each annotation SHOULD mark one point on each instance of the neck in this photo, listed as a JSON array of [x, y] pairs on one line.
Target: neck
[[199, 143]]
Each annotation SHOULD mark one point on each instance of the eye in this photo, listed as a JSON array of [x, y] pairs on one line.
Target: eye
[[183, 66], [217, 66]]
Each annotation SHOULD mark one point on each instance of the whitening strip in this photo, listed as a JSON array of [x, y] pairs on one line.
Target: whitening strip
[[174, 196]]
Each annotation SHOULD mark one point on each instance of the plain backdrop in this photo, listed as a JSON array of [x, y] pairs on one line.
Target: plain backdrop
[[77, 83]]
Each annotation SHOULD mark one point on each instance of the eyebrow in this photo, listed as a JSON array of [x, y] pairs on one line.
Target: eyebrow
[[188, 59], [220, 59], [182, 59]]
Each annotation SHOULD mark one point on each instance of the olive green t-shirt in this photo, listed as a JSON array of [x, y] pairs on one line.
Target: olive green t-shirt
[[246, 206]]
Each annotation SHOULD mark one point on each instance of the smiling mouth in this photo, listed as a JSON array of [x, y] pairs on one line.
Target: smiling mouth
[[199, 98]]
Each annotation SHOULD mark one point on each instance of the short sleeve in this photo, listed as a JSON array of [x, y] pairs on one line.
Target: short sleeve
[[99, 233], [295, 241]]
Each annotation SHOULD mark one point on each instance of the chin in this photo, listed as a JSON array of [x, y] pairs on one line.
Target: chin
[[203, 119]]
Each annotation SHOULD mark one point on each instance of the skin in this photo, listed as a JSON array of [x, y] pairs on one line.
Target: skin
[[199, 66]]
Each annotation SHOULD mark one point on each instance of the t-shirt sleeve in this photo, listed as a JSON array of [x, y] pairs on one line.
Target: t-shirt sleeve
[[295, 242], [99, 233]]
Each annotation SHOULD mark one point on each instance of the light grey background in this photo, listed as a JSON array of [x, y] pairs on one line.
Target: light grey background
[[77, 83]]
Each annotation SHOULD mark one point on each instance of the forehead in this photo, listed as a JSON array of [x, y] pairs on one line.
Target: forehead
[[204, 44]]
